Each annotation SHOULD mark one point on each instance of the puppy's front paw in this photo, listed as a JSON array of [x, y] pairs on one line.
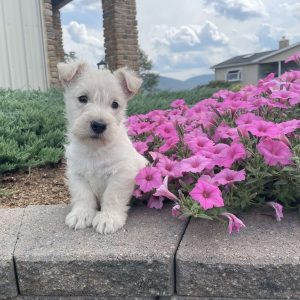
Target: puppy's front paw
[[108, 223], [80, 218]]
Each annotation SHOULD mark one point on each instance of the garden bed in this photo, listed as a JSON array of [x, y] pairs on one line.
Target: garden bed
[[41, 185], [32, 127]]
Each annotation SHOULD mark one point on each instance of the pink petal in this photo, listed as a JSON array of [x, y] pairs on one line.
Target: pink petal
[[278, 209], [234, 222], [164, 192]]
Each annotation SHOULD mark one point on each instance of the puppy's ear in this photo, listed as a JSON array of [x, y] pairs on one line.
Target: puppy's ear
[[68, 73], [129, 81]]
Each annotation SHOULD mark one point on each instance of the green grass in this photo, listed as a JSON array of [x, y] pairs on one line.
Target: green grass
[[32, 124]]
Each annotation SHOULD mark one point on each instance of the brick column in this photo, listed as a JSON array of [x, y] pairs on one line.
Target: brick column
[[51, 44], [58, 35], [120, 34]]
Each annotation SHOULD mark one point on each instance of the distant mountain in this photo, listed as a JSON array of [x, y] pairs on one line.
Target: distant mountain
[[171, 84]]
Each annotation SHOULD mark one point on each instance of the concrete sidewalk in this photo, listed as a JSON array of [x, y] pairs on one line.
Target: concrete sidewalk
[[151, 257]]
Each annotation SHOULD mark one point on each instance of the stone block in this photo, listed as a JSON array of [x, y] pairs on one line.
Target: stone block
[[138, 260], [10, 221], [261, 262]]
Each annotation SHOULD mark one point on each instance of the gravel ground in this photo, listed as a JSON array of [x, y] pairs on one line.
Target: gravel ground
[[43, 185]]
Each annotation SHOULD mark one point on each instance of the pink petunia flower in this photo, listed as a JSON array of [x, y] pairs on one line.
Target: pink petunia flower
[[213, 153], [291, 76], [178, 103], [278, 209], [294, 101], [199, 142], [224, 131], [292, 97], [169, 167], [208, 179], [140, 147], [148, 179], [166, 130], [247, 118], [163, 191], [234, 153], [155, 202], [264, 129], [289, 126], [143, 127], [207, 195], [295, 57], [194, 164], [233, 106], [156, 155], [227, 176], [275, 152], [234, 222], [170, 143]]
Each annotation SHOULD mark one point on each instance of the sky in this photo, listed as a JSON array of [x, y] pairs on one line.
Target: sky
[[184, 38]]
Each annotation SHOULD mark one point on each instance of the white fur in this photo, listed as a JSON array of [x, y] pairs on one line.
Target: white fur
[[100, 169]]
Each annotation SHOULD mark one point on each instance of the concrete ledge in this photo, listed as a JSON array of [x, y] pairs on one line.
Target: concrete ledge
[[44, 260], [10, 221], [262, 262], [212, 298], [82, 298], [52, 260]]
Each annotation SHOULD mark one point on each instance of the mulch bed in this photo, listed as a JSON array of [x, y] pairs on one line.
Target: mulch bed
[[43, 185]]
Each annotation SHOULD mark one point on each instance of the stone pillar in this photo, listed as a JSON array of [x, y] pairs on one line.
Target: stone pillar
[[51, 44], [120, 34]]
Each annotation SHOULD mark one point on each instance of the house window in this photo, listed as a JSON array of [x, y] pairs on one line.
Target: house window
[[233, 75]]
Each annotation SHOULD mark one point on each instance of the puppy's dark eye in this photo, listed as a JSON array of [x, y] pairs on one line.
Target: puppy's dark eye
[[115, 105], [83, 99]]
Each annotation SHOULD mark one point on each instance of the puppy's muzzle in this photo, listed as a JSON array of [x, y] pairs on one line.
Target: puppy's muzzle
[[98, 127]]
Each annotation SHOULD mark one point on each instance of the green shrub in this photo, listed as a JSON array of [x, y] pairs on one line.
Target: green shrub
[[32, 127]]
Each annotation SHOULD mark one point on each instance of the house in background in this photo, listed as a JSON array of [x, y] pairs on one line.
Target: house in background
[[249, 68], [31, 42]]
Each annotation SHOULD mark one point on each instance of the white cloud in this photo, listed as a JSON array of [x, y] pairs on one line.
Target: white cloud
[[87, 43], [292, 9], [185, 48], [238, 9], [188, 37], [82, 5]]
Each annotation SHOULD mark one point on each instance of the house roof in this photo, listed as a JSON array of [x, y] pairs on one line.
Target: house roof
[[57, 4], [251, 58]]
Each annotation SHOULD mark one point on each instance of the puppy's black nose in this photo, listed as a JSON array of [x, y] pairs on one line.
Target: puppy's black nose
[[98, 127]]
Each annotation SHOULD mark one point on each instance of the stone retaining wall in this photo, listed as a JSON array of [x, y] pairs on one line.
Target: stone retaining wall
[[155, 256]]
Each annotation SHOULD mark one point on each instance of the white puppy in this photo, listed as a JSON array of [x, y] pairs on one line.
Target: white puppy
[[101, 160]]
